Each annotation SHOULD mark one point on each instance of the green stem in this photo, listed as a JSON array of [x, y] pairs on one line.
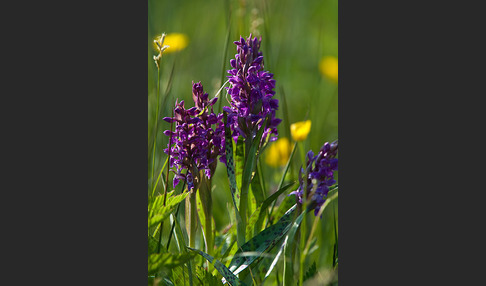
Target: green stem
[[165, 190], [243, 210], [303, 207], [334, 254], [158, 178], [156, 124], [301, 248], [175, 217], [245, 186], [281, 182], [302, 154], [329, 199], [207, 204], [191, 213]]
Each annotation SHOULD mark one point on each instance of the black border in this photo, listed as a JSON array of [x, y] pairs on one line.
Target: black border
[[75, 186], [74, 199]]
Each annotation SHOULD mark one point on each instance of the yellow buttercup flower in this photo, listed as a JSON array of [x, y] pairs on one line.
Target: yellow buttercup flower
[[278, 153], [300, 130], [329, 68], [174, 41]]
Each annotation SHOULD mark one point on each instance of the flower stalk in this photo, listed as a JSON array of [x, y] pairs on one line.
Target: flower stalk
[[251, 113]]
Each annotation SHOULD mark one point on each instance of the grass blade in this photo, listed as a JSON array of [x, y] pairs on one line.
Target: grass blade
[[239, 157], [181, 238], [277, 257], [205, 211], [262, 242], [158, 178], [266, 203], [282, 180], [223, 270], [333, 194], [158, 212], [223, 67], [256, 187], [251, 158], [158, 261], [230, 168], [288, 267]]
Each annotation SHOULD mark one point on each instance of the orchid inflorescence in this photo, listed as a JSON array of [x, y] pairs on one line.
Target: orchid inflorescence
[[195, 144], [198, 139], [251, 91], [320, 176]]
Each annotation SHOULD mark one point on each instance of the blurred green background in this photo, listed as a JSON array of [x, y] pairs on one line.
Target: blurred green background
[[296, 35]]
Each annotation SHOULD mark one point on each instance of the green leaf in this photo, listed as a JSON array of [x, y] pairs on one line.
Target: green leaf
[[251, 208], [206, 278], [250, 160], [239, 157], [266, 203], [181, 238], [256, 220], [286, 203], [311, 271], [256, 199], [288, 267], [282, 179], [230, 168], [157, 261], [256, 187], [262, 242], [205, 211], [252, 147], [277, 257], [180, 276], [223, 242], [158, 212], [223, 270], [152, 245]]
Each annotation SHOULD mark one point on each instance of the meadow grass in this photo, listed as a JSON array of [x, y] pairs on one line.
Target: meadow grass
[[296, 35]]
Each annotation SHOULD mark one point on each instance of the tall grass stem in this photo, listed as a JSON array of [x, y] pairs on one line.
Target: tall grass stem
[[156, 125], [281, 182]]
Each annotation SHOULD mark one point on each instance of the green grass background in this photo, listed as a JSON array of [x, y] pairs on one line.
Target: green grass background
[[295, 36]]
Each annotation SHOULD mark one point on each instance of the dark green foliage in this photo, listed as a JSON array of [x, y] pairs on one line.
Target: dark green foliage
[[261, 242], [205, 278], [167, 260], [158, 212], [311, 271], [222, 269], [180, 276], [230, 165]]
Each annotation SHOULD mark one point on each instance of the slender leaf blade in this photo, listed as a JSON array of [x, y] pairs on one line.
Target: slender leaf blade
[[222, 269], [157, 261], [239, 157], [158, 212], [230, 167], [288, 267], [262, 242]]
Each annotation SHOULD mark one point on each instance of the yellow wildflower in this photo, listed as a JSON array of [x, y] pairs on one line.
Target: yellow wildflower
[[300, 130], [174, 41], [278, 153], [329, 68]]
